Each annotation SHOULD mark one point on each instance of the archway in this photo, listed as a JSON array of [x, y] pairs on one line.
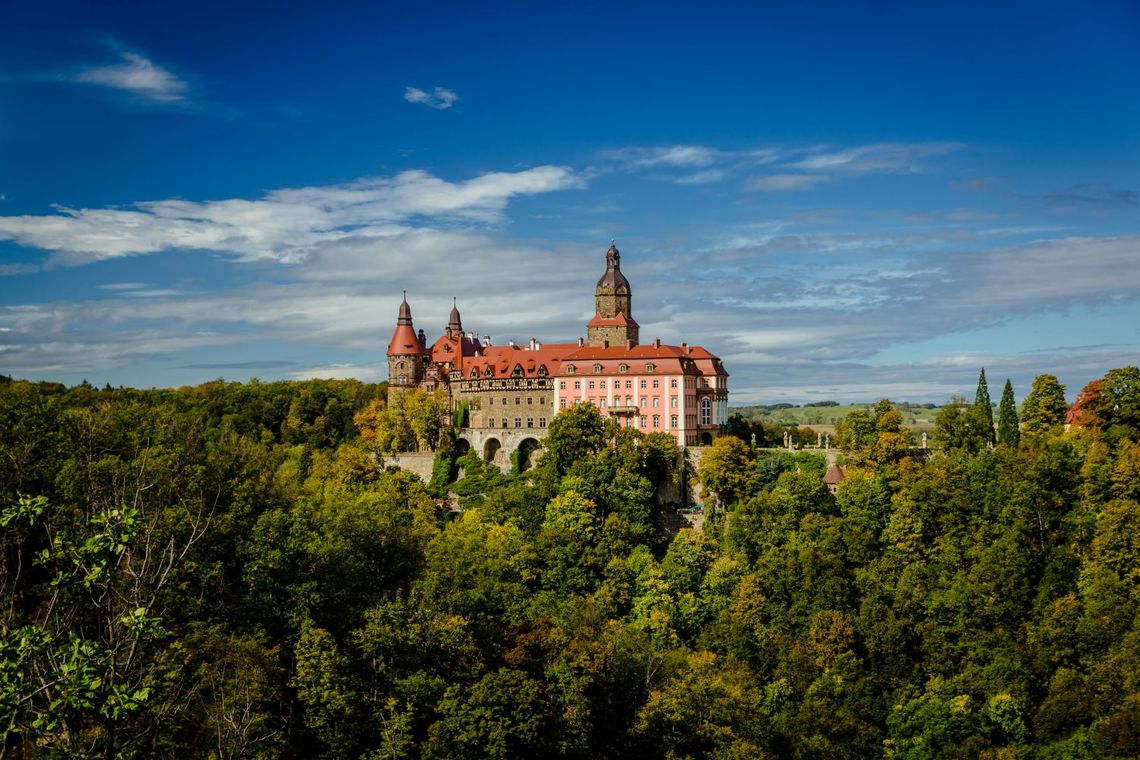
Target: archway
[[462, 447], [706, 439], [491, 449], [526, 452]]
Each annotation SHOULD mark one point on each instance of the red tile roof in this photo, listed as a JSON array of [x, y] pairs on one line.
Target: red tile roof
[[619, 320], [404, 341]]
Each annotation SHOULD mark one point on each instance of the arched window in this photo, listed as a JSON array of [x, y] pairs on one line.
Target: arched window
[[650, 367], [571, 369], [623, 368], [597, 368], [706, 411]]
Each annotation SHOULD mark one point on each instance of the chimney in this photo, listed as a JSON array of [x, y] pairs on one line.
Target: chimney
[[470, 335], [537, 345], [657, 343], [685, 347], [511, 343], [422, 338], [581, 342], [486, 340], [533, 344]]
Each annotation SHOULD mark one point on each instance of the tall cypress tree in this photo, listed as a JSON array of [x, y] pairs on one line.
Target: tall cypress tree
[[1007, 417], [983, 408]]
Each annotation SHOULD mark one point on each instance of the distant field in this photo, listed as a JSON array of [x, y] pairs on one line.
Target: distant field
[[824, 418]]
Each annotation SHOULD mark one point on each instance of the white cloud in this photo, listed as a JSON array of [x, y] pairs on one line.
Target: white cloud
[[876, 158], [285, 225], [785, 182], [661, 156], [439, 98], [139, 76]]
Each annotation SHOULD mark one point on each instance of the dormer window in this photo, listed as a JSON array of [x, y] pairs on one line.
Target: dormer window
[[474, 373], [542, 370], [571, 369], [489, 371], [650, 367], [623, 368], [597, 368]]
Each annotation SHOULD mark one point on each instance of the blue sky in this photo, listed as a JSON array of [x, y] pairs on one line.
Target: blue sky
[[843, 200]]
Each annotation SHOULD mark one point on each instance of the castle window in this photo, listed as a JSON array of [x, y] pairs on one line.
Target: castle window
[[542, 422], [530, 421], [571, 369], [562, 385], [597, 368], [517, 371], [650, 367], [656, 383], [400, 366], [491, 401], [643, 421], [504, 400], [577, 385], [656, 421], [656, 402], [601, 403], [488, 372], [623, 368], [541, 401], [704, 382], [673, 421], [474, 373], [561, 403], [642, 383], [628, 383], [706, 412], [518, 422], [491, 422], [629, 400], [643, 400], [602, 385], [591, 385], [542, 370], [518, 400], [529, 401], [504, 423], [673, 402], [673, 383]]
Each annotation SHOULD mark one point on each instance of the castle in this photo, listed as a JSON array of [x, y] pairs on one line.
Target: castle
[[513, 391]]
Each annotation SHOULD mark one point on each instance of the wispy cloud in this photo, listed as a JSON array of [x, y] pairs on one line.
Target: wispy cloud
[[781, 183], [285, 225], [1103, 196], [665, 156], [439, 98], [876, 158], [137, 75]]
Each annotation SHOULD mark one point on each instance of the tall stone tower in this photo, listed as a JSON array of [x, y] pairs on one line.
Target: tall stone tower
[[613, 322], [405, 352]]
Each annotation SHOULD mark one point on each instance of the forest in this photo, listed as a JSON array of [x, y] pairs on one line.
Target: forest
[[227, 571]]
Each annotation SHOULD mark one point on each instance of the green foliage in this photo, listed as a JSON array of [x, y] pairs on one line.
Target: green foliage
[[983, 407], [223, 571], [1008, 431], [1045, 405], [574, 434], [727, 469]]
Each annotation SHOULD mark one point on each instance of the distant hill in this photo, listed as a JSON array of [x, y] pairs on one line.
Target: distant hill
[[829, 413]]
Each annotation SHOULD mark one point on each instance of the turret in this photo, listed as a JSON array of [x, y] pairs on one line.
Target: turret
[[405, 351], [613, 306]]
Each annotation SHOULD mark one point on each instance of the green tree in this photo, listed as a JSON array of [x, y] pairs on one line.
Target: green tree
[[728, 470], [983, 408], [1008, 430], [1045, 405], [958, 427], [574, 433]]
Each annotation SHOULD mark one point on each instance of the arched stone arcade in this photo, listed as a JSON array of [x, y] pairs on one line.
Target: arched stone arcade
[[497, 446]]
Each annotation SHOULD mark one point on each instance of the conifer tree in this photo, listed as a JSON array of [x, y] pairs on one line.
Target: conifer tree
[[1008, 432], [983, 409]]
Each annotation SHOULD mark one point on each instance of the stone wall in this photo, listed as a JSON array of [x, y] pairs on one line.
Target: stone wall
[[415, 461]]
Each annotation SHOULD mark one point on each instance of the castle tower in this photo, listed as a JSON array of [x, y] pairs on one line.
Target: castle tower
[[405, 352], [454, 325], [613, 322]]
